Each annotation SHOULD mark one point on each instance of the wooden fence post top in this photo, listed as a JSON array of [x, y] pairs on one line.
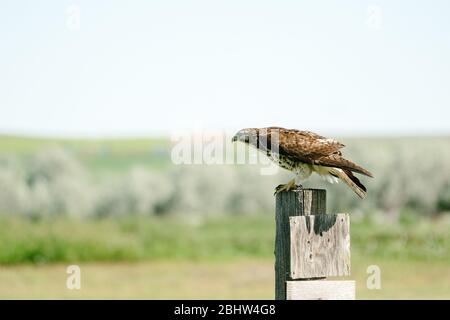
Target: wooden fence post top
[[301, 202]]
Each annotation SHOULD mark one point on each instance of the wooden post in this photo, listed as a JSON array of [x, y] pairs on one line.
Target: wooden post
[[299, 202], [321, 290], [310, 245]]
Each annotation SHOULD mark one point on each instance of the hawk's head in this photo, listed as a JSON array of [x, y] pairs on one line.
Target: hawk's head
[[248, 135], [260, 138]]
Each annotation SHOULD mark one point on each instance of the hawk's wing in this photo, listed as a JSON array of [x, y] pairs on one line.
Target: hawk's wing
[[300, 144], [308, 147]]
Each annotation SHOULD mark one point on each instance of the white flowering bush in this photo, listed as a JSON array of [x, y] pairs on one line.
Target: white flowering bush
[[14, 193], [140, 192], [411, 174], [58, 185]]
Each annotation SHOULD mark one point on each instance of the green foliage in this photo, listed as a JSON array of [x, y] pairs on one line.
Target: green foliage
[[443, 204], [411, 238], [219, 238]]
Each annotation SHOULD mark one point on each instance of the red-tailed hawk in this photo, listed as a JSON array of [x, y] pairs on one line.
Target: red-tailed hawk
[[304, 152]]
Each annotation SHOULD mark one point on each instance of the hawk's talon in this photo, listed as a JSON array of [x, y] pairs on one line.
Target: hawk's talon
[[278, 188], [285, 187]]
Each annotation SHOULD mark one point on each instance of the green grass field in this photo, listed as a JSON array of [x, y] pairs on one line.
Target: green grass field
[[239, 279], [219, 258], [224, 238]]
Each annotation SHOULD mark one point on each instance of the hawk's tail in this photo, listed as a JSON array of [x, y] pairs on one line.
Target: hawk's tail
[[350, 180]]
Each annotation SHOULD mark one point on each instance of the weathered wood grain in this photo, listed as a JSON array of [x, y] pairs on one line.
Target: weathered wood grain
[[292, 203], [320, 290], [314, 202], [319, 246]]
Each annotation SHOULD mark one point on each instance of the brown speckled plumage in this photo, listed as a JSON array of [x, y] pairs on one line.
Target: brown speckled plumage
[[297, 148]]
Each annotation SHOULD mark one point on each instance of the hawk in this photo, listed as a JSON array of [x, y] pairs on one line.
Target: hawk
[[304, 152]]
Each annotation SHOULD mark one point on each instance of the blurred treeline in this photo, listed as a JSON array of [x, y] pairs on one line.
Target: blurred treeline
[[411, 175]]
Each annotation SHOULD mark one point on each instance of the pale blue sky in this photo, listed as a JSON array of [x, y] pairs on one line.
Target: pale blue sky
[[153, 67]]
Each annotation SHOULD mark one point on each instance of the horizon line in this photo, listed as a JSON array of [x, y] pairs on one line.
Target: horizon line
[[160, 135]]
